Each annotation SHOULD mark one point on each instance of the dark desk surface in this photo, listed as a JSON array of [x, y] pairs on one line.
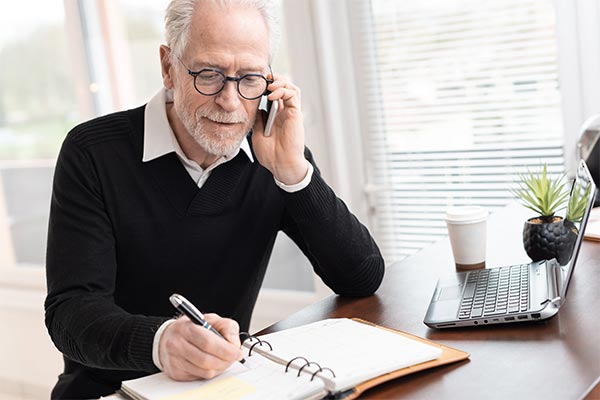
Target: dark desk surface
[[555, 359]]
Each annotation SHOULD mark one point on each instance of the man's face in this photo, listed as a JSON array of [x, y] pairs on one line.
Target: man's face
[[234, 41]]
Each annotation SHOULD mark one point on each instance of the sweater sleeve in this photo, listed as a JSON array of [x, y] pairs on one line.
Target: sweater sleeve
[[82, 318], [339, 247]]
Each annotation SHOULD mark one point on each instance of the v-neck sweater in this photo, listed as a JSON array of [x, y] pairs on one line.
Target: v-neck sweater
[[125, 234]]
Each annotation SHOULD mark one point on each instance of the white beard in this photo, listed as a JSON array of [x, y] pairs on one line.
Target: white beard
[[215, 141]]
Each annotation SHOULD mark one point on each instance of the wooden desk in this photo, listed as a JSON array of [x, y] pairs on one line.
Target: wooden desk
[[555, 359]]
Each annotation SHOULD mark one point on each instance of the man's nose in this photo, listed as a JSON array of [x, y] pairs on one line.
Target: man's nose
[[229, 98]]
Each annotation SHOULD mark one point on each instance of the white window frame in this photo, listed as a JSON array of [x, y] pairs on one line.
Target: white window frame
[[321, 56]]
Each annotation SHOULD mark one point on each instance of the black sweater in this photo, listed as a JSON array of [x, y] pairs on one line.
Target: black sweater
[[124, 235]]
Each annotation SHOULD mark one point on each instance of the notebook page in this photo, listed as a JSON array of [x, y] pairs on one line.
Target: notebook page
[[356, 352], [256, 379], [160, 386]]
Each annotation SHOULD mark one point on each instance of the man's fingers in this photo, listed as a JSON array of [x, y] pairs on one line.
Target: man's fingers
[[229, 329], [282, 89], [184, 370], [209, 342], [176, 369], [284, 94], [203, 359], [212, 344], [283, 84]]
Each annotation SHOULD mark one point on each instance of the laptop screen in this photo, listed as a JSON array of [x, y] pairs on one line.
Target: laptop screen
[[581, 202]]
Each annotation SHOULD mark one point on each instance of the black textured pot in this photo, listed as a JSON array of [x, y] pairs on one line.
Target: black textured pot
[[547, 238]]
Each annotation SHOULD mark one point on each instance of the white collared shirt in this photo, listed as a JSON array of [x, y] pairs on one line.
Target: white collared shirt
[[159, 139]]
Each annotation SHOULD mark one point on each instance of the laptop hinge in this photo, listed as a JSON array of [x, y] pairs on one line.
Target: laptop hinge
[[555, 301], [553, 282]]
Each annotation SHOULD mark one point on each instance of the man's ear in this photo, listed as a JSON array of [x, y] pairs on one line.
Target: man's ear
[[166, 66]]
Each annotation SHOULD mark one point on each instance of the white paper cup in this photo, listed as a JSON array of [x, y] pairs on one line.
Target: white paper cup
[[467, 233]]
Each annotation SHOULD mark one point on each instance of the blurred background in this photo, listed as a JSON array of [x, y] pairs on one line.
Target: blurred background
[[409, 108]]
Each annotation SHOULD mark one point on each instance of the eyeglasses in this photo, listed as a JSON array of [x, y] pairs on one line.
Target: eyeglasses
[[211, 81]]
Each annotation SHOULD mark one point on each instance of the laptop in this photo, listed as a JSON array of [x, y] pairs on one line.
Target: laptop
[[513, 293]]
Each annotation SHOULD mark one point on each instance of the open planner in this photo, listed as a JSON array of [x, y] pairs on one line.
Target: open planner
[[334, 357]]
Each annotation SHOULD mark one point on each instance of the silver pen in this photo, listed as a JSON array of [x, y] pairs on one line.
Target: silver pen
[[184, 306]]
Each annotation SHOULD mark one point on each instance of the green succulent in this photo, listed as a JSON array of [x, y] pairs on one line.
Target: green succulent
[[577, 203], [540, 193]]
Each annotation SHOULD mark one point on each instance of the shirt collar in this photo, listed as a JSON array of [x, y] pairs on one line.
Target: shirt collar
[[159, 138]]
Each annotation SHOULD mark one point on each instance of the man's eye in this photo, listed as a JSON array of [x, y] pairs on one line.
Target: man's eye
[[209, 76], [253, 80]]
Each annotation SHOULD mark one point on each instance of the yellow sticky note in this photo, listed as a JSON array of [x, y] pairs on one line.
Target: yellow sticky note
[[222, 389]]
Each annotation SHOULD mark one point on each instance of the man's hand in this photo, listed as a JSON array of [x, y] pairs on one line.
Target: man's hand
[[188, 351], [282, 152]]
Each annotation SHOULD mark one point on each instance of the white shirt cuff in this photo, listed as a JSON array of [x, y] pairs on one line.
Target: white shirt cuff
[[156, 341], [300, 185]]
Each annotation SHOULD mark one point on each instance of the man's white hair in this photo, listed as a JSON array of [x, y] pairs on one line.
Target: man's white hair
[[178, 21]]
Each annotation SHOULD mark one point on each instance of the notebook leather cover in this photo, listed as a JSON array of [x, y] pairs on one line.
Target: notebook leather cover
[[449, 356]]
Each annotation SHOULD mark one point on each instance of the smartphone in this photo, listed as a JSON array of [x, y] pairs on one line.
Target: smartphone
[[271, 108]]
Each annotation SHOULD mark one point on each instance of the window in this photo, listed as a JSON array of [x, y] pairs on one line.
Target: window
[[459, 96], [55, 73], [37, 106]]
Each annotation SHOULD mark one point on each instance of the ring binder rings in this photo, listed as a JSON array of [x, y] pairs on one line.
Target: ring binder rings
[[292, 360], [321, 370], [307, 363], [362, 354], [259, 342]]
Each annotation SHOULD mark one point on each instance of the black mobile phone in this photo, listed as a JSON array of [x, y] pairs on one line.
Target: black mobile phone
[[271, 108]]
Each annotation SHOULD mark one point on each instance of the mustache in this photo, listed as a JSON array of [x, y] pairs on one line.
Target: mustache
[[222, 117]]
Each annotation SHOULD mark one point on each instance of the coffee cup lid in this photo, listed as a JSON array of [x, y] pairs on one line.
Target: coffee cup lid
[[466, 214]]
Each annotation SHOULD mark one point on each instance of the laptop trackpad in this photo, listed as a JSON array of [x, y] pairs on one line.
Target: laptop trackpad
[[450, 293]]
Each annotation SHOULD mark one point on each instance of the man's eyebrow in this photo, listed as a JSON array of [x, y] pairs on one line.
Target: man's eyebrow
[[198, 65]]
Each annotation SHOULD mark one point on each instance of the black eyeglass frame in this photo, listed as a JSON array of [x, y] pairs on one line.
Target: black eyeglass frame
[[228, 78]]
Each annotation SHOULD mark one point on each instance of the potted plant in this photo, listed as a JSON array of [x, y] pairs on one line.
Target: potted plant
[[548, 235]]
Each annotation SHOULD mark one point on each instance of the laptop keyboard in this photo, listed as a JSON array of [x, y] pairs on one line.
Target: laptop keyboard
[[495, 291]]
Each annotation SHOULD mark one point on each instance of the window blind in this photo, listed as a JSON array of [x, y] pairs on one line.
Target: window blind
[[458, 97]]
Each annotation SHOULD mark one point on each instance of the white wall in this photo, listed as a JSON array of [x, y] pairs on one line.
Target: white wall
[[30, 363]]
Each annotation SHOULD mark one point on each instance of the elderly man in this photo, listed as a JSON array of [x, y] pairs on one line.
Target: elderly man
[[186, 194]]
